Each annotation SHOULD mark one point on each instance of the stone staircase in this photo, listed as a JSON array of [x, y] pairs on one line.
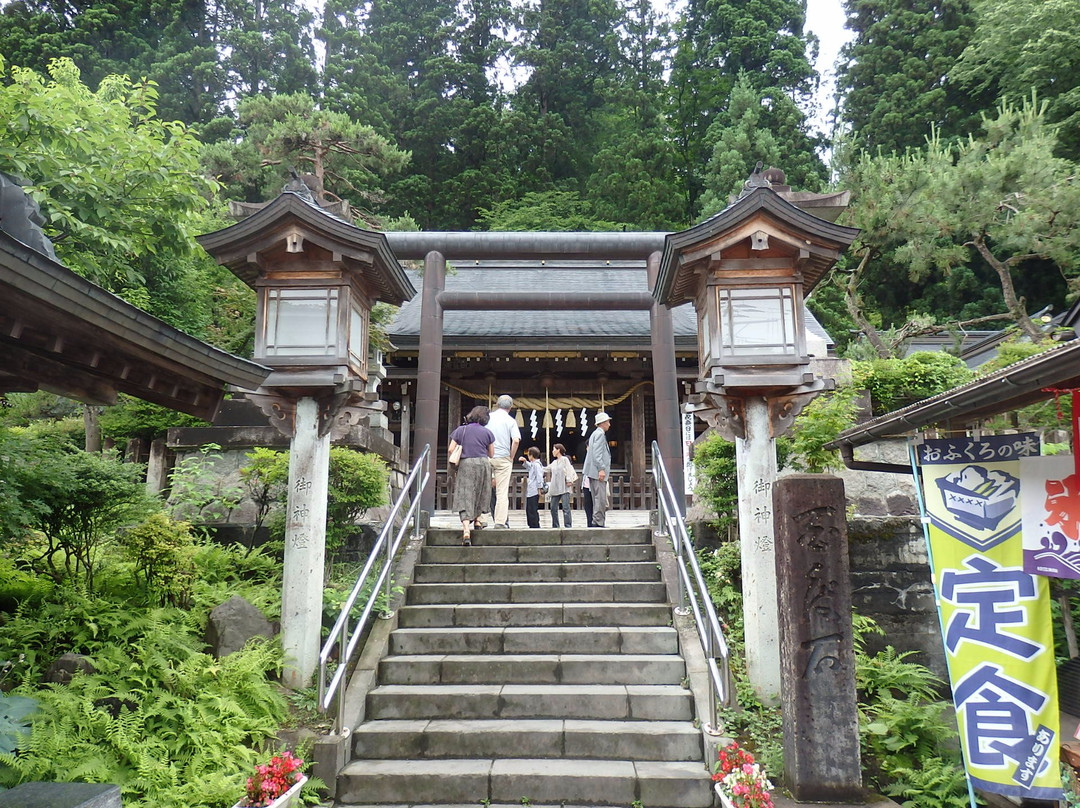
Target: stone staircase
[[537, 667]]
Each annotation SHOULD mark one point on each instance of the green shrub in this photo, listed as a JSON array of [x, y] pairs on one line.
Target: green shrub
[[910, 747], [714, 460], [895, 383], [819, 423], [173, 729], [79, 500], [135, 418], [162, 551]]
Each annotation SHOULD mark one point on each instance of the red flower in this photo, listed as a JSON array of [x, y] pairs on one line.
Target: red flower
[[273, 779]]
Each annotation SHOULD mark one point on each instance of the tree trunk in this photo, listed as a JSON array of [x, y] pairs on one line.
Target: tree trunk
[[92, 428], [853, 302], [1014, 304]]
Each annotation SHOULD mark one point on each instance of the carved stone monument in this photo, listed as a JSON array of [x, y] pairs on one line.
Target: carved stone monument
[[817, 655]]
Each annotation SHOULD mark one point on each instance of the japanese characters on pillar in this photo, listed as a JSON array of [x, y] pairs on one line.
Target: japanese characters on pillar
[[689, 472], [762, 515], [995, 616]]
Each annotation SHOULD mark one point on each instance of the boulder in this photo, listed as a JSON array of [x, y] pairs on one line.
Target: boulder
[[232, 624], [64, 668]]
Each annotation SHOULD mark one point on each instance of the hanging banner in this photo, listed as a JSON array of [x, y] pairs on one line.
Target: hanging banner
[[1051, 516], [995, 617]]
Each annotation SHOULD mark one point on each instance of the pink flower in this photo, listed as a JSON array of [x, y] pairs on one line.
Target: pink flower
[[273, 779]]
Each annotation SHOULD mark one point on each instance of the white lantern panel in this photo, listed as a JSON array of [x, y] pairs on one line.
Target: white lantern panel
[[301, 322], [757, 322]]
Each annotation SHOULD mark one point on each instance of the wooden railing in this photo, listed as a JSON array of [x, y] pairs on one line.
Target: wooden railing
[[627, 493]]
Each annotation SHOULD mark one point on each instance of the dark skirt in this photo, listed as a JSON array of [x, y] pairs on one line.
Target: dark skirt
[[472, 488]]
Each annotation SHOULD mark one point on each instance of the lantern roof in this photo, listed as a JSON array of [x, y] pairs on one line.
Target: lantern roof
[[815, 242], [293, 218]]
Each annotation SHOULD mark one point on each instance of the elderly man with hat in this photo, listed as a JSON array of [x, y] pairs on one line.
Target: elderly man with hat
[[598, 466]]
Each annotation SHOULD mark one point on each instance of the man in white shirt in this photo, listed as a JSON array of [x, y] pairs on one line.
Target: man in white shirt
[[597, 468], [507, 438]]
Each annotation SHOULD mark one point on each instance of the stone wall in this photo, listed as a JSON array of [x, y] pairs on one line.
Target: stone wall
[[890, 582]]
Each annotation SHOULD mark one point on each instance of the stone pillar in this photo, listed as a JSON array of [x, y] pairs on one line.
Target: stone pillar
[[429, 367], [821, 727], [756, 458], [666, 389], [157, 474], [305, 546]]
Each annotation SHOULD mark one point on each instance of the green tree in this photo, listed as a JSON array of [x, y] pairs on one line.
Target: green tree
[[962, 232], [570, 49], [269, 46], [421, 72], [720, 39], [550, 210], [348, 159], [1024, 45], [633, 177], [1005, 200], [894, 76], [120, 189], [745, 133]]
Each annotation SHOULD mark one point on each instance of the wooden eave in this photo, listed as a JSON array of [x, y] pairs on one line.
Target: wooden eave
[[689, 253], [242, 247], [61, 333]]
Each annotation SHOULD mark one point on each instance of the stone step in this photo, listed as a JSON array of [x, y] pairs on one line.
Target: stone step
[[599, 702], [535, 640], [525, 592], [528, 738], [491, 537], [621, 669], [535, 614], [535, 554], [569, 572], [655, 784]]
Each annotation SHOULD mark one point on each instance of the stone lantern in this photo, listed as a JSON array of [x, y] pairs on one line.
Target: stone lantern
[[746, 271], [317, 277]]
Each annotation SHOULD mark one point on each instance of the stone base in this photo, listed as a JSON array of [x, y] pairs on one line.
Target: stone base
[[872, 801]]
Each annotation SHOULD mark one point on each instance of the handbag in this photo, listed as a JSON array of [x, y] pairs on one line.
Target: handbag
[[455, 456]]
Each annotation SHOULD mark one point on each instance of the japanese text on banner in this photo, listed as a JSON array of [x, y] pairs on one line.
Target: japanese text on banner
[[995, 616]]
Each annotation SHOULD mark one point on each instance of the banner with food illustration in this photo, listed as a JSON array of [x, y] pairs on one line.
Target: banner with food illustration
[[1051, 516], [995, 616]]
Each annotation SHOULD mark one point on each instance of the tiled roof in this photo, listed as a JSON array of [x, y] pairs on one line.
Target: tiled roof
[[550, 276], [596, 328]]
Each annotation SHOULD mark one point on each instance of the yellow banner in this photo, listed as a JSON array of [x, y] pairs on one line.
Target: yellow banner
[[995, 618]]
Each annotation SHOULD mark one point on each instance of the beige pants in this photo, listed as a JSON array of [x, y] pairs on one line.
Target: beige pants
[[500, 472]]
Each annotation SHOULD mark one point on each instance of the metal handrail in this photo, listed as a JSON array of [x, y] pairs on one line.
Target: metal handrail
[[692, 590], [347, 640]]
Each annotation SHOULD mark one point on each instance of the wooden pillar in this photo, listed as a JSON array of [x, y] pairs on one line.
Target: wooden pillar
[[637, 435], [453, 409], [429, 367], [666, 389], [406, 423]]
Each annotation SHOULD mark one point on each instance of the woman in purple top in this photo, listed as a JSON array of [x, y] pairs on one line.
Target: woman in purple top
[[472, 492]]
